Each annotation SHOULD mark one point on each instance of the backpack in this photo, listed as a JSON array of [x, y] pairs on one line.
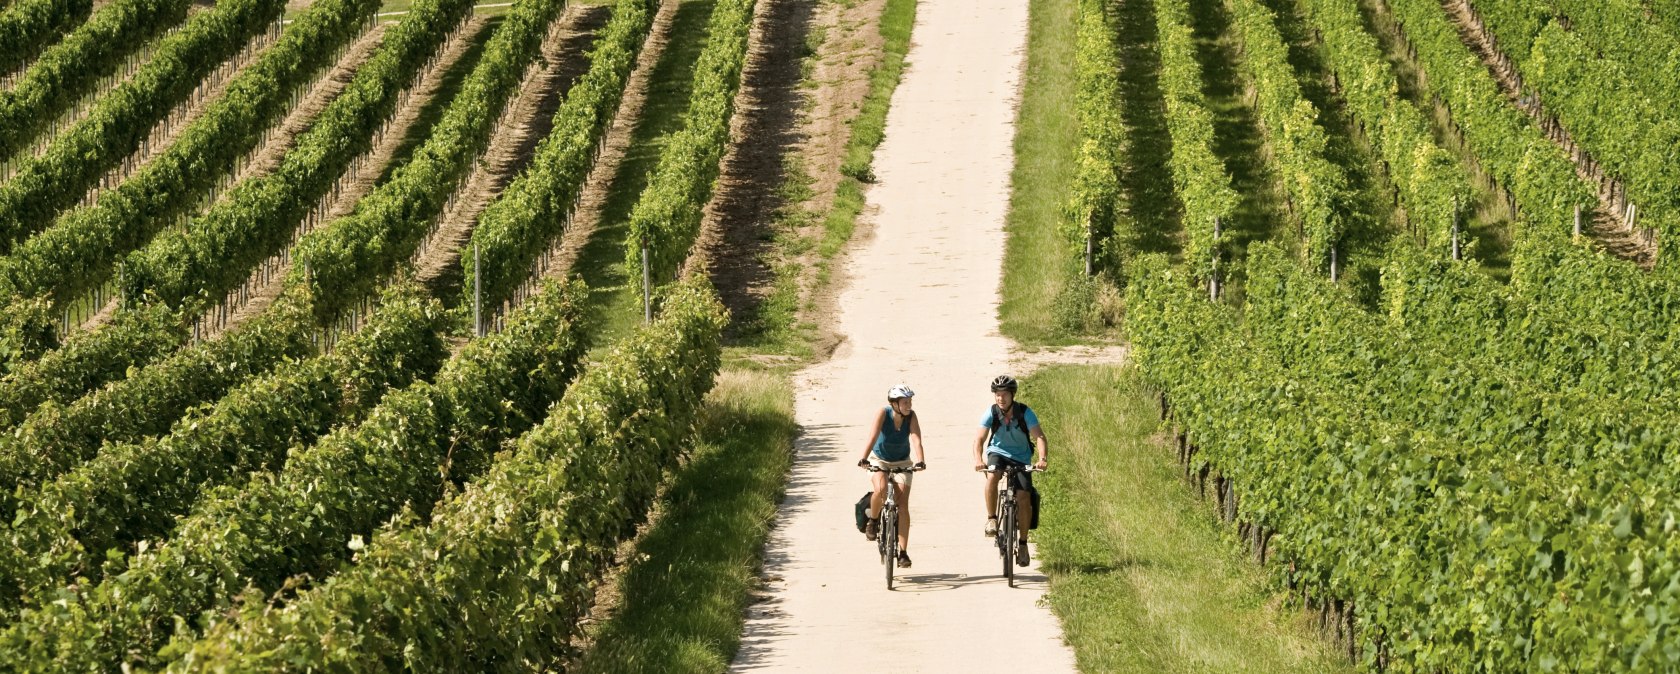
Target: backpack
[[862, 509], [997, 421]]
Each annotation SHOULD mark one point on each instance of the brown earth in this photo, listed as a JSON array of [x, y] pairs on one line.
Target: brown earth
[[527, 121], [592, 199], [267, 282], [1602, 224], [738, 228]]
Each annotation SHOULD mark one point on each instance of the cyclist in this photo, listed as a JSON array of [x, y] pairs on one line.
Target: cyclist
[[895, 441], [1008, 434]]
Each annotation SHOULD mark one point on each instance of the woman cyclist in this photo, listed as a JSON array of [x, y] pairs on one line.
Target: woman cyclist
[[1008, 433], [895, 441]]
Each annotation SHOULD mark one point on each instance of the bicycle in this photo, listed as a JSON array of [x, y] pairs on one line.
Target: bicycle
[[1007, 524], [886, 537]]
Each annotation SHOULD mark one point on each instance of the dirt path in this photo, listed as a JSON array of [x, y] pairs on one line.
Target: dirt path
[[525, 122], [921, 307], [1603, 224], [266, 282]]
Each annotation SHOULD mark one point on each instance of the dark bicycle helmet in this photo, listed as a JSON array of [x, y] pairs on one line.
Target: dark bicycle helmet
[[1004, 382]]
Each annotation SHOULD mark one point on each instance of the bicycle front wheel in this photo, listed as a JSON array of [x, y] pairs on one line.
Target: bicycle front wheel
[[889, 534]]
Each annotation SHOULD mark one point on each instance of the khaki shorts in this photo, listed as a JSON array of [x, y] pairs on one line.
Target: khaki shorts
[[903, 478]]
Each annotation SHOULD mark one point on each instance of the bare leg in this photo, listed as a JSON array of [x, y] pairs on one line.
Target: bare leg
[[991, 494], [879, 480], [904, 516]]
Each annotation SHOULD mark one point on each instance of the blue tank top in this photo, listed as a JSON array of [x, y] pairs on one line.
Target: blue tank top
[[893, 444]]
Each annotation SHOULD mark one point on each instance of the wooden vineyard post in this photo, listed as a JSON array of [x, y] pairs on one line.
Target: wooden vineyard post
[[647, 280], [1090, 246], [477, 293], [1457, 254], [1213, 278], [1333, 262], [1577, 221]]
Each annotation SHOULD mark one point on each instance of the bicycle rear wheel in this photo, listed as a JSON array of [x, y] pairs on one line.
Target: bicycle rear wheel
[[1007, 538]]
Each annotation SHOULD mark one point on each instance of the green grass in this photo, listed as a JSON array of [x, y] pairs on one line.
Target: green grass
[[1037, 260], [685, 594], [868, 129], [1142, 575], [615, 299]]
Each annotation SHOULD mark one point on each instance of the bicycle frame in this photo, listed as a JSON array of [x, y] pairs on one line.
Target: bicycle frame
[[886, 537], [1008, 526]]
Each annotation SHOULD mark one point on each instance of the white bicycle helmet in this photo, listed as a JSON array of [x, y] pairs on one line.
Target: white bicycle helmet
[[899, 391]]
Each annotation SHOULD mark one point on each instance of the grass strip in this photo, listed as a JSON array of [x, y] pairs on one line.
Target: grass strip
[[1142, 577], [685, 594], [1037, 261]]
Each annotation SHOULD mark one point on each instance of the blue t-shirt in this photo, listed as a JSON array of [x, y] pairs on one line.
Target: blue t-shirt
[[893, 444], [1009, 440]]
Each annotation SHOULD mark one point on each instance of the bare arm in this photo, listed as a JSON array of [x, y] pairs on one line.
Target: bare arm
[[874, 430], [980, 449], [916, 439], [1043, 447]]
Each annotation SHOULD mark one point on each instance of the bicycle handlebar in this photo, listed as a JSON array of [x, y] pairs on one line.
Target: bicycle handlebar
[[1008, 469], [878, 469]]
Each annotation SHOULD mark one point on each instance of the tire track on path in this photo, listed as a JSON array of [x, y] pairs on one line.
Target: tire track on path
[[921, 307]]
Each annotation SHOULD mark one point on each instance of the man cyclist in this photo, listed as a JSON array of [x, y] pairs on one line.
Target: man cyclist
[[1008, 434], [895, 441]]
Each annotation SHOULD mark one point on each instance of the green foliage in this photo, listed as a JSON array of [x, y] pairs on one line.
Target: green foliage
[[132, 491], [215, 252], [1618, 106], [341, 261], [1432, 186], [55, 438], [75, 255], [1203, 185], [72, 68], [88, 360], [28, 25], [666, 217], [535, 208], [299, 519], [47, 184], [1096, 209], [27, 331], [1077, 309], [1316, 189], [1508, 146], [531, 539], [1477, 517]]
